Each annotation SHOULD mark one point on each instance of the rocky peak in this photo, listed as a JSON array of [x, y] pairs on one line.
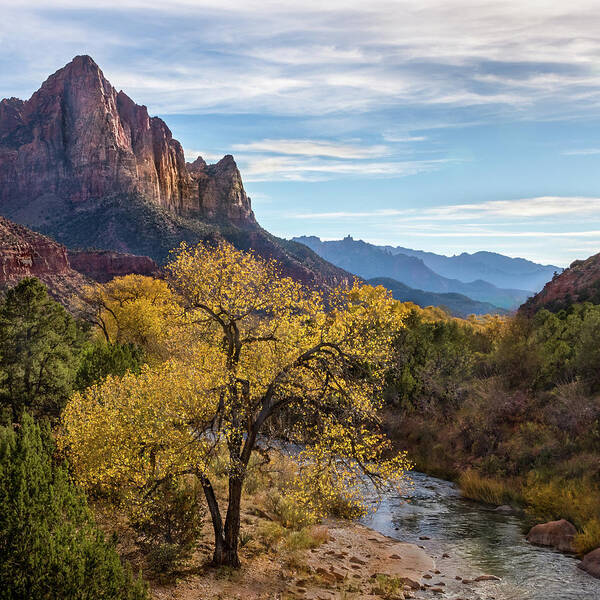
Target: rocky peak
[[221, 192], [78, 141]]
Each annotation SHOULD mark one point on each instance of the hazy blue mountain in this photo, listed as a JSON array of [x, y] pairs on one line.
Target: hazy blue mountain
[[458, 305], [502, 271], [369, 261]]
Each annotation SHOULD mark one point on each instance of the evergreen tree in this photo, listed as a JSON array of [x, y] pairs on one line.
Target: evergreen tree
[[50, 548], [39, 349], [101, 359]]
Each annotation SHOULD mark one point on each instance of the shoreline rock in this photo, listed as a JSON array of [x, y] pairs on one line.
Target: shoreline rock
[[556, 534], [591, 563]]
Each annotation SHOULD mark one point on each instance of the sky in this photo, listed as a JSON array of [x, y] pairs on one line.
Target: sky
[[447, 125]]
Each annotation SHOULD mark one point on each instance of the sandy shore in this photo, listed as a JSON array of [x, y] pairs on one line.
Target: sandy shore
[[354, 562]]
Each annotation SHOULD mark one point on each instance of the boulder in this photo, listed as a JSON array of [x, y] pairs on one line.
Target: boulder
[[591, 563], [558, 534]]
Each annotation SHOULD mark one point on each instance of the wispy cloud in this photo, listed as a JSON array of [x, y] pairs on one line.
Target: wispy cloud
[[234, 56], [523, 208], [287, 168], [302, 147], [582, 152]]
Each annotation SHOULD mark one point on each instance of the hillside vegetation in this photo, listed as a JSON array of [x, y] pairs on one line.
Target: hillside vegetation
[[510, 407]]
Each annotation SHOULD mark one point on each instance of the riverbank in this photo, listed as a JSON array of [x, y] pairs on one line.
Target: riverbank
[[467, 539], [352, 562]]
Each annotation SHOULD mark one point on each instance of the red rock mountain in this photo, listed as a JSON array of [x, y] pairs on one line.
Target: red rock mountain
[[579, 283], [24, 253], [84, 164], [104, 265], [85, 141]]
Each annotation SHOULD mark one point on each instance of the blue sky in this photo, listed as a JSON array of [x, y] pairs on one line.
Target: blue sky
[[441, 125]]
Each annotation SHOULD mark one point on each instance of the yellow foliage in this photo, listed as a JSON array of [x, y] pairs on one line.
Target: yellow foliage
[[246, 344], [134, 309]]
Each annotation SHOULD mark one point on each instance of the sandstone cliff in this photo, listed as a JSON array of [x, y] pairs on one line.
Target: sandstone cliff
[[84, 141], [24, 253], [104, 265], [84, 164], [579, 283]]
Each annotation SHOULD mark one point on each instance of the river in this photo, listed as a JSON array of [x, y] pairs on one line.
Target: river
[[477, 540]]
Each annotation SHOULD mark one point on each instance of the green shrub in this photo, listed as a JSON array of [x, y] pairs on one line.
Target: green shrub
[[50, 546], [271, 533], [40, 345], [307, 537], [169, 523], [576, 500], [287, 511], [101, 359]]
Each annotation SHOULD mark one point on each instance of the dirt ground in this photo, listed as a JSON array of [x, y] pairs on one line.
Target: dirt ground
[[353, 562]]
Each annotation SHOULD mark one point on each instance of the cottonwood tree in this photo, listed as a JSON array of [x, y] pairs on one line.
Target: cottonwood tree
[[133, 309], [253, 346]]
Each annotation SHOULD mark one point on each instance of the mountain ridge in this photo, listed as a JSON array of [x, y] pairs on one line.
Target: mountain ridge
[[580, 282], [458, 305], [369, 261], [498, 269], [82, 163]]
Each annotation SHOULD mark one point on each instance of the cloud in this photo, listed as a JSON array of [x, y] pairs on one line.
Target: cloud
[[302, 147], [286, 168], [523, 209], [537, 58], [583, 152]]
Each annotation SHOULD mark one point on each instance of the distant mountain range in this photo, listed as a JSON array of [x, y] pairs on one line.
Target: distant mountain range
[[502, 271], [369, 261], [456, 304]]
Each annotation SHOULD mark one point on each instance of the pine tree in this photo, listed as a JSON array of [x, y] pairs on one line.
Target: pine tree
[[50, 548], [39, 349], [103, 358]]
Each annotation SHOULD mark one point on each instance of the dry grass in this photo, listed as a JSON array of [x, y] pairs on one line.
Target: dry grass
[[490, 491]]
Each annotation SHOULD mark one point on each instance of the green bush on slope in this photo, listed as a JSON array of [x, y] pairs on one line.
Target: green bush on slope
[[50, 547]]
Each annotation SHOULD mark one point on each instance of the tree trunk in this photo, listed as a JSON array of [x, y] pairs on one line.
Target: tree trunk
[[226, 538], [232, 522], [215, 515]]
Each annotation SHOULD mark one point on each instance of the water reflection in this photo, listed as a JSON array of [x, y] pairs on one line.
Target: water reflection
[[479, 540]]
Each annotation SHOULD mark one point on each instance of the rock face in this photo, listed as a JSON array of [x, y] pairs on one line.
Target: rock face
[[579, 283], [591, 563], [84, 164], [85, 141], [558, 534], [104, 265], [24, 253]]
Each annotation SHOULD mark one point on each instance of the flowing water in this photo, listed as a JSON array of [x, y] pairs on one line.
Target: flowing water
[[478, 541]]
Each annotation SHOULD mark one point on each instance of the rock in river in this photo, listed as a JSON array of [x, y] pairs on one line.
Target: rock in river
[[558, 534], [591, 563]]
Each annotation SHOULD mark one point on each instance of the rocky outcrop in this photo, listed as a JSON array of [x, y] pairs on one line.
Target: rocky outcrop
[[591, 563], [221, 194], [579, 283], [84, 164], [104, 265], [24, 253], [558, 534], [85, 141]]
